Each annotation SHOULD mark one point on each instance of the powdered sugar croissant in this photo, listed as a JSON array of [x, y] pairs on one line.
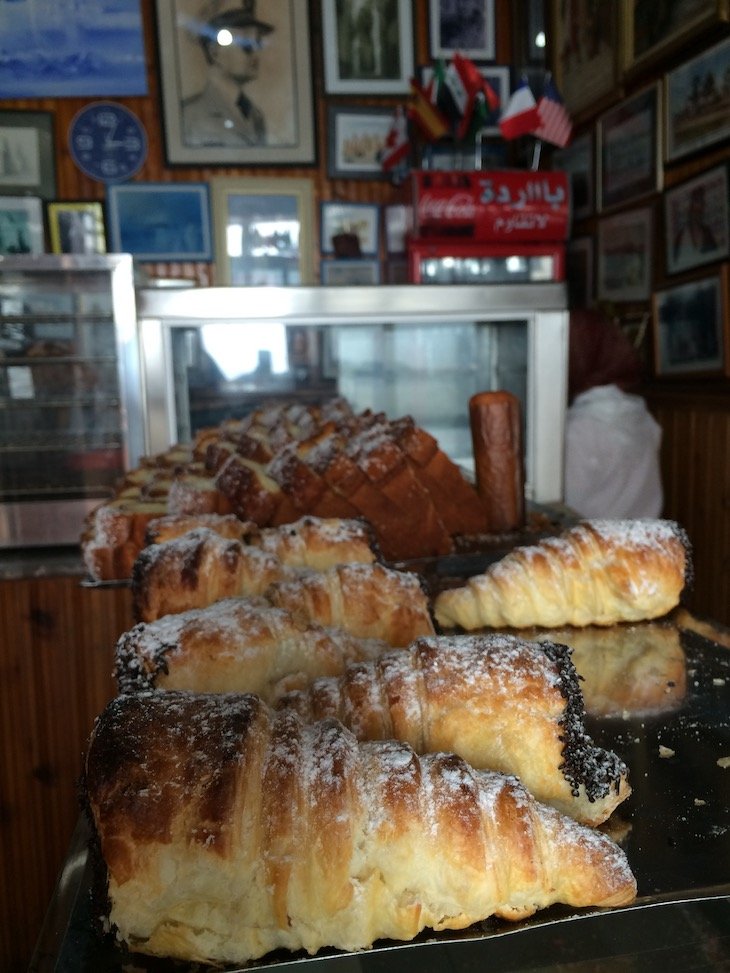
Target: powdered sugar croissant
[[498, 701], [367, 600], [229, 831], [235, 644], [597, 573]]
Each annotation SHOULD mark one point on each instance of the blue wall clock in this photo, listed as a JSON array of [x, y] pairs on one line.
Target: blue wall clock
[[107, 142]]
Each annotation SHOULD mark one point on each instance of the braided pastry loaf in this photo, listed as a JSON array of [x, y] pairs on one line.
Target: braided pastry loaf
[[498, 701], [597, 573], [228, 831]]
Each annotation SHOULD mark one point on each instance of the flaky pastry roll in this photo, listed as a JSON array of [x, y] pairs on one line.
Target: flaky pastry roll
[[229, 831], [498, 701], [599, 572]]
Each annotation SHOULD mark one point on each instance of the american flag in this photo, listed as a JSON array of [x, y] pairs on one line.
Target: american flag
[[554, 121]]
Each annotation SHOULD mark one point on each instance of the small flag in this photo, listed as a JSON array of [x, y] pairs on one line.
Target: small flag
[[440, 95], [396, 144], [520, 116], [466, 83], [426, 116], [554, 124]]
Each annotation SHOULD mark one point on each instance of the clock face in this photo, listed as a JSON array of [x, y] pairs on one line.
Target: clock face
[[107, 142]]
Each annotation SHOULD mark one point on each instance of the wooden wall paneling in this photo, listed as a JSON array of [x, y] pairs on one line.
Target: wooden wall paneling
[[695, 462], [56, 658]]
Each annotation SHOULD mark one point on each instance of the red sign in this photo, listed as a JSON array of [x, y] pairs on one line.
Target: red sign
[[494, 206]]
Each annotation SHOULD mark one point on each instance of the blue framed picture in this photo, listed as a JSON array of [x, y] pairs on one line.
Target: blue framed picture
[[160, 221], [87, 50]]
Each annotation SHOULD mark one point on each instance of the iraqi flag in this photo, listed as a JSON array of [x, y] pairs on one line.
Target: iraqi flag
[[554, 121], [466, 84], [520, 117]]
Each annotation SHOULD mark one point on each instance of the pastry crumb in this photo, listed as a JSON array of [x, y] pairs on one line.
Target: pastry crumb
[[665, 751], [724, 762], [699, 802]]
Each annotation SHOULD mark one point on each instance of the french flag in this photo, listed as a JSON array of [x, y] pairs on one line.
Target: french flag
[[554, 121], [520, 116]]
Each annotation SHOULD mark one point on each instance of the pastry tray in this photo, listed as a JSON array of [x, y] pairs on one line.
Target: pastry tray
[[675, 829]]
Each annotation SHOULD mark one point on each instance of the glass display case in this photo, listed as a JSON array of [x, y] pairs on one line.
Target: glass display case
[[70, 419], [213, 353]]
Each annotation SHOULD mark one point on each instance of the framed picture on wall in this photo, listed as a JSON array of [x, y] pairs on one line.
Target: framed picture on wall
[[350, 273], [355, 140], [359, 219], [629, 150], [696, 221], [157, 221], [466, 26], [21, 225], [624, 257], [577, 159], [585, 52], [653, 33], [696, 116], [214, 117], [76, 227], [73, 50], [690, 322], [368, 48], [263, 231], [26, 154]]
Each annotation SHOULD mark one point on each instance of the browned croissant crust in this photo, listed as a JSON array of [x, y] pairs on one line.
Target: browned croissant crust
[[114, 533], [318, 543], [229, 831], [498, 701], [238, 644], [170, 526], [597, 573], [197, 569], [367, 600], [628, 668]]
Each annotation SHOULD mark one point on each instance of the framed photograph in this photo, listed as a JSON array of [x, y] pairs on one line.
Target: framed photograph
[[579, 271], [584, 47], [236, 92], [21, 225], [624, 258], [73, 50], [26, 154], [654, 33], [350, 273], [696, 103], [355, 139], [690, 324], [263, 231], [628, 146], [160, 221], [498, 78], [76, 227], [696, 221], [466, 26], [368, 47], [360, 219], [578, 161]]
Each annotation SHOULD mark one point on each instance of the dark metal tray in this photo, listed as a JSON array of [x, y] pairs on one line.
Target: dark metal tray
[[675, 828]]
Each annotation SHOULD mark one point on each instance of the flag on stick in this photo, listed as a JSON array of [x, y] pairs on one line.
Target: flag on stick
[[426, 116], [520, 116], [554, 123], [396, 144]]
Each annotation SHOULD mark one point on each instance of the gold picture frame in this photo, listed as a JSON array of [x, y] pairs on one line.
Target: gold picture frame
[[76, 227], [584, 56], [650, 36], [263, 231]]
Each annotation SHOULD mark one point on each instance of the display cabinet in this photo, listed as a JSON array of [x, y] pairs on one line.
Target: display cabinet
[[213, 353], [70, 402]]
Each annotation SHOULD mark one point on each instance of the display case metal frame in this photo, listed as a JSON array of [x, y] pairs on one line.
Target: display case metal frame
[[543, 307]]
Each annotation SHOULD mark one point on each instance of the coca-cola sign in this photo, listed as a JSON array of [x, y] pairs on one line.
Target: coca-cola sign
[[492, 206]]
